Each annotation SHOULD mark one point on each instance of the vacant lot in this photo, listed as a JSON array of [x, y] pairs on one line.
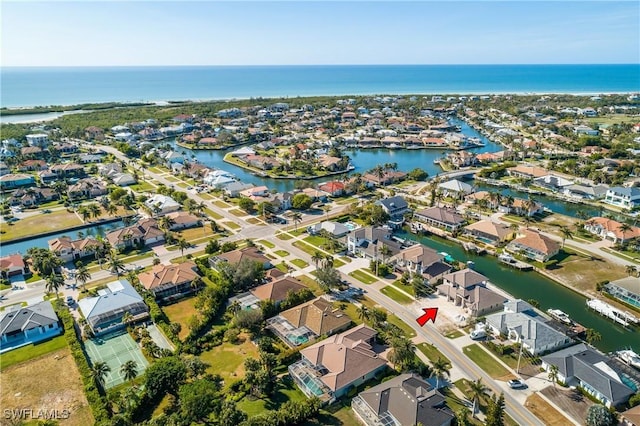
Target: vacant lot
[[50, 382], [544, 411], [28, 352], [227, 360], [40, 224], [181, 312], [485, 361], [583, 272]]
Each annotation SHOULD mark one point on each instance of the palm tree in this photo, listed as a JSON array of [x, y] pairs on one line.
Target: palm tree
[[328, 261], [385, 251], [440, 368], [84, 213], [115, 265], [82, 275], [477, 390], [182, 245], [99, 372], [165, 223], [593, 336], [363, 313], [553, 374], [94, 209], [127, 318], [317, 257], [111, 209], [630, 269], [297, 218], [54, 282], [624, 228], [565, 233], [129, 370]]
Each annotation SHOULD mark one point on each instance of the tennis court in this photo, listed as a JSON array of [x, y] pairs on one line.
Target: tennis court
[[115, 351]]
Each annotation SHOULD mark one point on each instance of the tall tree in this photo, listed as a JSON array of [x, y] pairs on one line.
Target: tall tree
[[182, 245], [82, 275], [53, 283], [495, 411], [477, 390], [593, 336], [440, 368], [565, 233], [129, 370], [296, 218], [553, 374], [99, 372]]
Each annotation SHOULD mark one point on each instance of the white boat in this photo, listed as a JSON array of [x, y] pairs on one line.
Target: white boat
[[506, 258], [629, 357], [559, 315], [606, 310]]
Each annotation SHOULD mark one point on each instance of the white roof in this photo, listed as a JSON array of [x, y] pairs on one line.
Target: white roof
[[245, 150], [161, 201], [456, 185]]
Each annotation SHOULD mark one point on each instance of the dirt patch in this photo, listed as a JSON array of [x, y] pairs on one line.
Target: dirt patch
[[545, 411], [51, 382], [572, 403]]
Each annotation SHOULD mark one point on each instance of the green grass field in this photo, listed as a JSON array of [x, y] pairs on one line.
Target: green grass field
[[285, 391], [396, 295], [26, 353], [363, 276], [485, 361], [266, 243], [300, 263], [431, 352], [212, 214], [282, 253]]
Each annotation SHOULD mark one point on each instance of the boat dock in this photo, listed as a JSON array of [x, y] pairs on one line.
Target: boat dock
[[606, 310], [514, 263]]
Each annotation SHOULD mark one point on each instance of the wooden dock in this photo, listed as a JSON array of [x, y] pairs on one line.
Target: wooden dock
[[514, 263]]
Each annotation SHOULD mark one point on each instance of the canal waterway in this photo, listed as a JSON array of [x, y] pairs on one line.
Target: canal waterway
[[42, 242], [531, 285]]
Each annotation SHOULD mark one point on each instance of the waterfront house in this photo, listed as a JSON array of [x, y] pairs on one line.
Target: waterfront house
[[420, 259], [277, 290], [32, 166], [440, 217], [609, 229], [585, 192], [238, 255], [625, 289], [233, 189], [306, 322], [527, 172], [626, 198], [38, 139], [104, 312], [162, 204], [144, 232], [12, 265], [468, 289], [23, 325], [333, 188], [553, 182], [394, 206], [404, 400], [521, 324], [183, 220], [68, 170], [257, 191], [367, 242], [388, 177], [13, 181], [534, 245], [32, 152], [260, 161], [170, 282], [335, 229], [329, 163], [86, 188], [32, 196], [522, 207], [583, 367], [489, 232], [70, 250], [330, 368]]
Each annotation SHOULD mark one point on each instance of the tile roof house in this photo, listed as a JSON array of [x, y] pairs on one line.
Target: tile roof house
[[144, 232], [489, 232], [169, 282], [631, 417], [468, 289], [67, 249], [277, 290], [388, 177], [236, 256], [609, 229], [440, 217], [521, 324], [333, 188], [332, 367], [582, 366], [104, 312], [319, 316], [534, 245], [404, 400], [183, 220], [527, 172], [12, 265], [23, 325], [86, 188]]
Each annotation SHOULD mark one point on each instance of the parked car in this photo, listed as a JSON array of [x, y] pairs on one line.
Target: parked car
[[70, 301], [478, 334], [516, 384]]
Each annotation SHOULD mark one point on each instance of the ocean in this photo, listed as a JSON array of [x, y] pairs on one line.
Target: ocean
[[23, 87]]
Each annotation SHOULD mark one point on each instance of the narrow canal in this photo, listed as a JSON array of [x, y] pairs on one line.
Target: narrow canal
[[531, 285]]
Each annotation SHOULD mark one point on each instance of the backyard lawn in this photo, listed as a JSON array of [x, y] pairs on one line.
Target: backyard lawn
[[485, 361], [181, 312], [40, 224], [363, 277], [28, 352], [227, 360], [285, 391], [396, 295]]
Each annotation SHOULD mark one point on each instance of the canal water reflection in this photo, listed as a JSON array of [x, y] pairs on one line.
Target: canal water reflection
[[531, 285]]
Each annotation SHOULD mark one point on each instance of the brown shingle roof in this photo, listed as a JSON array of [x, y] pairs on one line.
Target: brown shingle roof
[[277, 290], [251, 253], [537, 241]]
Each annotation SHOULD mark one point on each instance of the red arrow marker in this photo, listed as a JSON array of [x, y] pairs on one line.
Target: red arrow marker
[[429, 314]]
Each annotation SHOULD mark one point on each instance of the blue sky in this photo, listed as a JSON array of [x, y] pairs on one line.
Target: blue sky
[[330, 32]]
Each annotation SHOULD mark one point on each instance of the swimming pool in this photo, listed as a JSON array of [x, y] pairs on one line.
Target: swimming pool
[[351, 226]]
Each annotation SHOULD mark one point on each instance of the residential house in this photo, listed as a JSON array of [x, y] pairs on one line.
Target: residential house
[[388, 177], [625, 289], [627, 198], [12, 265], [468, 289], [521, 324], [394, 206], [237, 256], [94, 133], [31, 152], [38, 139], [170, 282], [162, 204], [527, 172], [219, 179], [333, 188], [335, 229], [260, 161], [440, 217], [367, 242], [13, 181], [591, 371], [631, 417], [420, 259], [489, 232], [522, 207], [233, 189], [277, 290], [68, 170], [32, 166], [257, 191], [183, 220], [612, 230], [534, 245], [86, 188], [90, 158], [404, 400], [32, 196], [553, 182], [66, 148], [455, 188], [23, 325], [104, 313], [585, 130], [330, 368], [71, 250], [145, 232], [585, 192], [4, 169]]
